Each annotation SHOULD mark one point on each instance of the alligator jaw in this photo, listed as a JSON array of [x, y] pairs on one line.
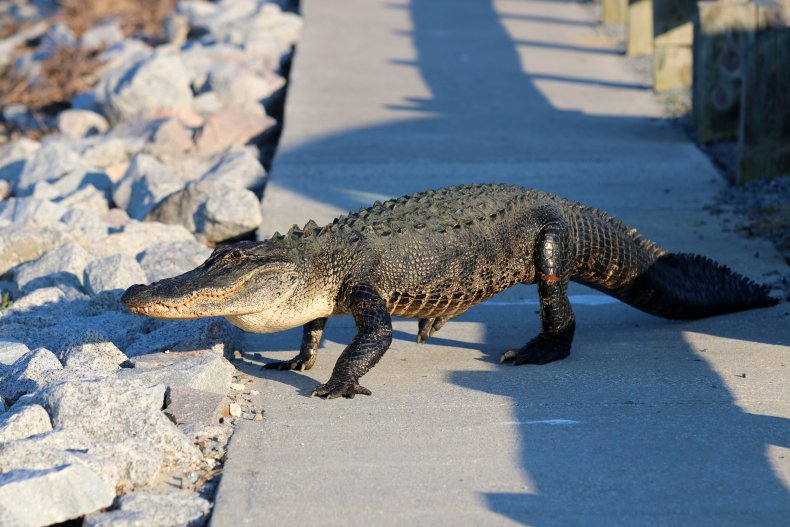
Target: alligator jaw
[[158, 300]]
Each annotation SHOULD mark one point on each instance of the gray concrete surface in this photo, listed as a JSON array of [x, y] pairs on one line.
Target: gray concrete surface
[[649, 422]]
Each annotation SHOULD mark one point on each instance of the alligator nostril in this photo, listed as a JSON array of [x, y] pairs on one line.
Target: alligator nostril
[[131, 293]]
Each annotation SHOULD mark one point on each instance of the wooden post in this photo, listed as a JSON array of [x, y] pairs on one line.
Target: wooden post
[[615, 11], [723, 32], [672, 38], [764, 138], [640, 27]]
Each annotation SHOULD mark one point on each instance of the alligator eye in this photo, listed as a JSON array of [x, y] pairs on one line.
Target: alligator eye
[[235, 253]]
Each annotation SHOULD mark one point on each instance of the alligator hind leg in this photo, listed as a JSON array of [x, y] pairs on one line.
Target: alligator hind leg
[[429, 326], [552, 267], [308, 352]]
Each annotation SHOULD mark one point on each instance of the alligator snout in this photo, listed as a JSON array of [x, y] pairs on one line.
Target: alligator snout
[[135, 297]]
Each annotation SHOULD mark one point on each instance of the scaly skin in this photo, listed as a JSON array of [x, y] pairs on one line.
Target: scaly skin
[[432, 256]]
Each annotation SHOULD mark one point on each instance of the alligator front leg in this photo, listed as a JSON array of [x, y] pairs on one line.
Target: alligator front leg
[[558, 323], [308, 352], [373, 338]]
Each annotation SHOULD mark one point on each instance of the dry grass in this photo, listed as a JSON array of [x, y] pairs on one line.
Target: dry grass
[[72, 70], [136, 16]]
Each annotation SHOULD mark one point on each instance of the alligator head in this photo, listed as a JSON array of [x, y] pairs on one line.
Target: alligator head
[[236, 280]]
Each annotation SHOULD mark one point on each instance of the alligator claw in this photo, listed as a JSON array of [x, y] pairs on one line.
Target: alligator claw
[[334, 389], [540, 350], [299, 362], [429, 326]]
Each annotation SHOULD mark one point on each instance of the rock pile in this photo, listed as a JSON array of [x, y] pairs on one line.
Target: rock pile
[[101, 409]]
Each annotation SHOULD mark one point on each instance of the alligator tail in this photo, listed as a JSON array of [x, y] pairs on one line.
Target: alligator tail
[[689, 286]]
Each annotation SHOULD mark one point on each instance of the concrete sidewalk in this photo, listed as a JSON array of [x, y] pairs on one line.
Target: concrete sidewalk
[[648, 422]]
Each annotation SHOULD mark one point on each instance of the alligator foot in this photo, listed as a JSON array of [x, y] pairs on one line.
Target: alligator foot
[[429, 326], [334, 389], [540, 350], [300, 362]]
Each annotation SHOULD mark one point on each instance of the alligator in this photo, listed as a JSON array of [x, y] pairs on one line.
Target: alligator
[[433, 255]]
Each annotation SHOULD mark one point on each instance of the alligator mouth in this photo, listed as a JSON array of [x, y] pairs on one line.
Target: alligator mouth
[[146, 300]]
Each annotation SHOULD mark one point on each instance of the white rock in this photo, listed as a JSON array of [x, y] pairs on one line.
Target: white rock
[[44, 497], [22, 210], [234, 410], [22, 244], [135, 237], [92, 351], [54, 160], [131, 90], [44, 191], [102, 35], [81, 123], [104, 152], [125, 463], [11, 350], [146, 183], [168, 259], [86, 225], [14, 156], [207, 333], [238, 168], [236, 85], [171, 139], [87, 198], [215, 212], [24, 421], [201, 370], [117, 410], [64, 264], [233, 126], [113, 272], [38, 298], [154, 510], [24, 375]]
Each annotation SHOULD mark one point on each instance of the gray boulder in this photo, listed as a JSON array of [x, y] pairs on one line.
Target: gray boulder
[[116, 410], [130, 90], [144, 185], [113, 272], [54, 160], [81, 123], [61, 265], [86, 226], [14, 156], [135, 237], [214, 211], [188, 406], [87, 198], [21, 244], [25, 375], [154, 510], [24, 421], [29, 209], [102, 35], [236, 84], [238, 168], [92, 351], [168, 259], [237, 125], [44, 497], [183, 335], [125, 463], [10, 351], [200, 370]]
